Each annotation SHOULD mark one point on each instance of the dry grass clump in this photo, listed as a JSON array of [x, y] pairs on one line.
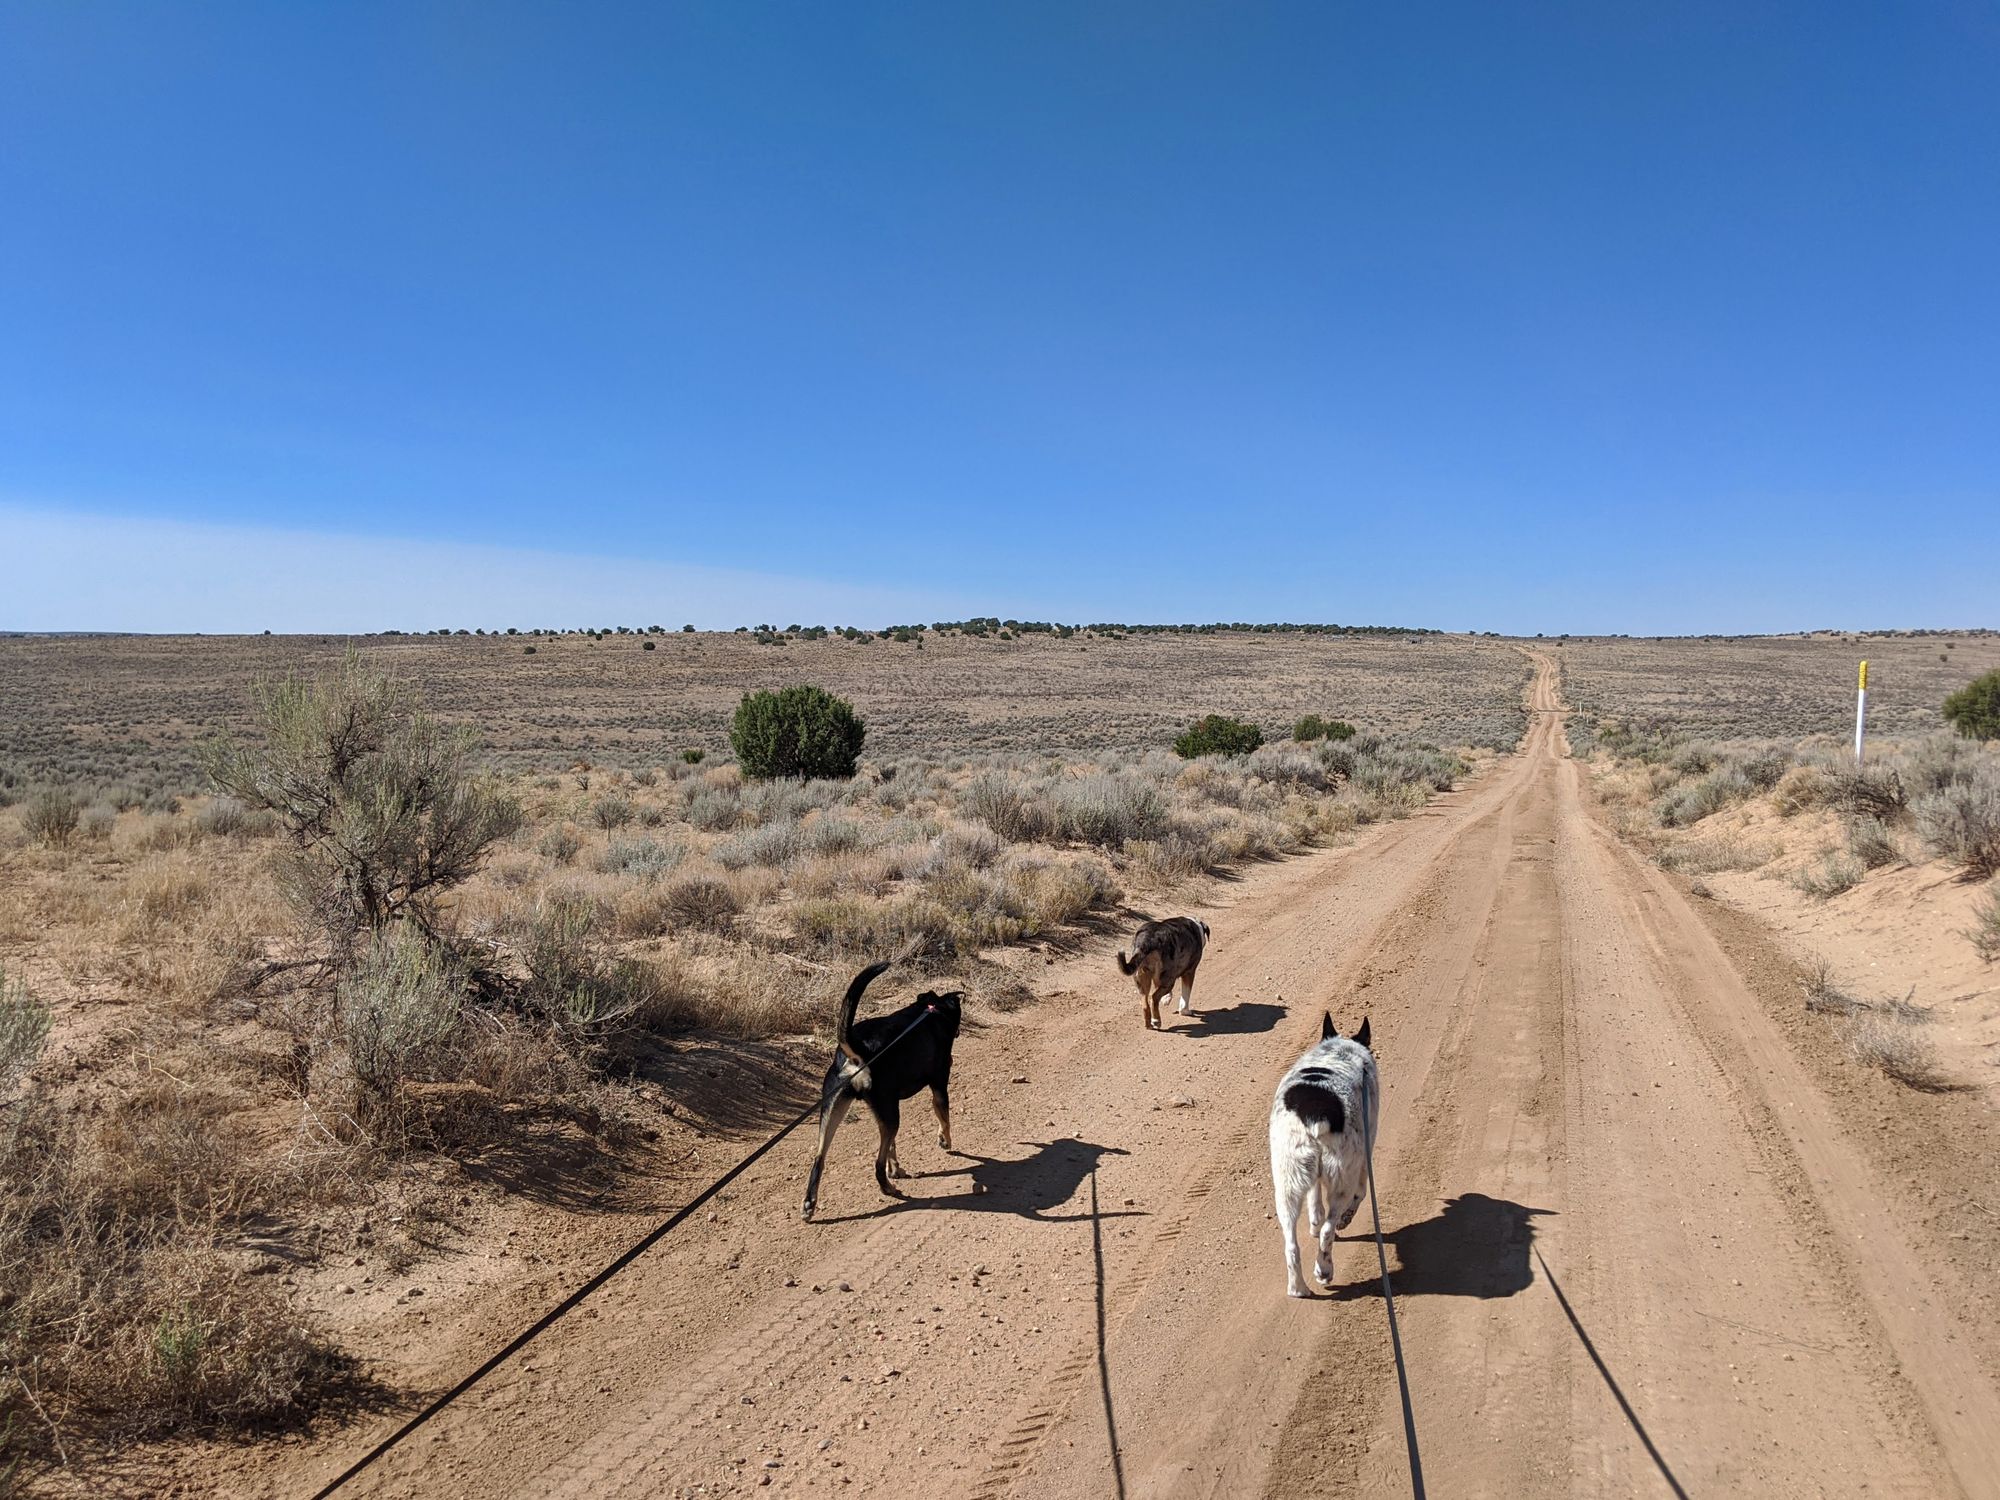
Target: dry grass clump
[[120, 1313], [1895, 1043], [1884, 1034], [1713, 855], [1835, 871]]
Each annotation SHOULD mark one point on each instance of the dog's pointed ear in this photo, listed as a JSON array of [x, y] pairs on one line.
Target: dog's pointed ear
[[1361, 1036], [1327, 1030]]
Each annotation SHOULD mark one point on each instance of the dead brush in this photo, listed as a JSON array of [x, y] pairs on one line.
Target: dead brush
[[1888, 1038]]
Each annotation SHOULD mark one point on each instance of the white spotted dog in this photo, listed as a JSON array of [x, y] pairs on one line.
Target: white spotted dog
[[1318, 1118]]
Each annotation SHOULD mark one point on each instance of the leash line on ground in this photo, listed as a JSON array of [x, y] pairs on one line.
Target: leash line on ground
[[1389, 1301], [521, 1341]]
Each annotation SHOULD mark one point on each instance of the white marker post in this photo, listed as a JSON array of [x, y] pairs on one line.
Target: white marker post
[[1860, 713]]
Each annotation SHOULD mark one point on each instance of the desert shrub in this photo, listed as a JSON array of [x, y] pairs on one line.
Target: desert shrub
[[1870, 841], [381, 803], [955, 848], [1962, 824], [573, 981], [694, 757], [399, 1007], [1836, 871], [611, 812], [560, 844], [648, 859], [1801, 788], [97, 823], [1710, 856], [225, 817], [773, 845], [920, 926], [1867, 791], [786, 801], [1892, 1040], [646, 776], [1974, 710], [1313, 727], [1985, 928], [799, 731], [50, 817], [24, 1031], [1107, 808], [826, 835], [1708, 793], [701, 901], [1218, 734], [714, 810], [1006, 808]]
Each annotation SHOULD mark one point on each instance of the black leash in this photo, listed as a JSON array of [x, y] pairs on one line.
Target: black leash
[[570, 1302], [1389, 1300]]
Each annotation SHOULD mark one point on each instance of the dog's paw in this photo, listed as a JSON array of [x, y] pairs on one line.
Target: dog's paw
[[809, 1210], [1323, 1272], [1347, 1214], [1298, 1288], [944, 1143]]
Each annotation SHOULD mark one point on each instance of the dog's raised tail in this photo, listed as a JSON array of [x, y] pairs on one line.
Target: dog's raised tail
[[1126, 965], [850, 1005]]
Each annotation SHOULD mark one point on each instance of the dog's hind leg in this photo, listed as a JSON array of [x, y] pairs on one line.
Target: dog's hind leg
[[941, 1107], [831, 1113], [1321, 1209], [1291, 1191], [888, 1120], [1184, 988]]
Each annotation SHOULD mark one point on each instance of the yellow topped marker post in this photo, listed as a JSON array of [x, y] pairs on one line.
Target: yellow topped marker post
[[1860, 712]]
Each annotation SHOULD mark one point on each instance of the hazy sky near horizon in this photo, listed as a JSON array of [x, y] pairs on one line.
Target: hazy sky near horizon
[[1559, 317]]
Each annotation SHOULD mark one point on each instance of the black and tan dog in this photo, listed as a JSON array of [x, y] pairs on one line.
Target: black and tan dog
[[1164, 957], [883, 1061]]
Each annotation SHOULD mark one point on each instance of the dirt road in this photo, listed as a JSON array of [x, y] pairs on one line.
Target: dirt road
[[1640, 1251]]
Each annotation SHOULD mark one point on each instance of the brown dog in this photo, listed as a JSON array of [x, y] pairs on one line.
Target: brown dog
[[1164, 957]]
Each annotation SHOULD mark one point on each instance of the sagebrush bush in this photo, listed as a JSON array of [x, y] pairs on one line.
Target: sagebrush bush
[[801, 731], [1218, 734], [648, 859], [1871, 841], [560, 844], [399, 1006], [1108, 808], [573, 979], [1962, 824], [51, 816], [24, 1030], [382, 804], [701, 901], [773, 845], [1974, 710], [611, 812], [1836, 871], [1007, 808]]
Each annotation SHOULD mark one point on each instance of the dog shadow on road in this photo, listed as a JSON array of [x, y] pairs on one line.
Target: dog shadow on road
[[1032, 1186], [1477, 1247], [1247, 1018]]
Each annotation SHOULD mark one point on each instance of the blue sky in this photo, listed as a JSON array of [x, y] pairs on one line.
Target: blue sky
[[1525, 317]]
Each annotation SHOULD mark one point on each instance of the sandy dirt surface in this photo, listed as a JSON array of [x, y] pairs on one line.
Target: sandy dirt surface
[[1640, 1245]]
